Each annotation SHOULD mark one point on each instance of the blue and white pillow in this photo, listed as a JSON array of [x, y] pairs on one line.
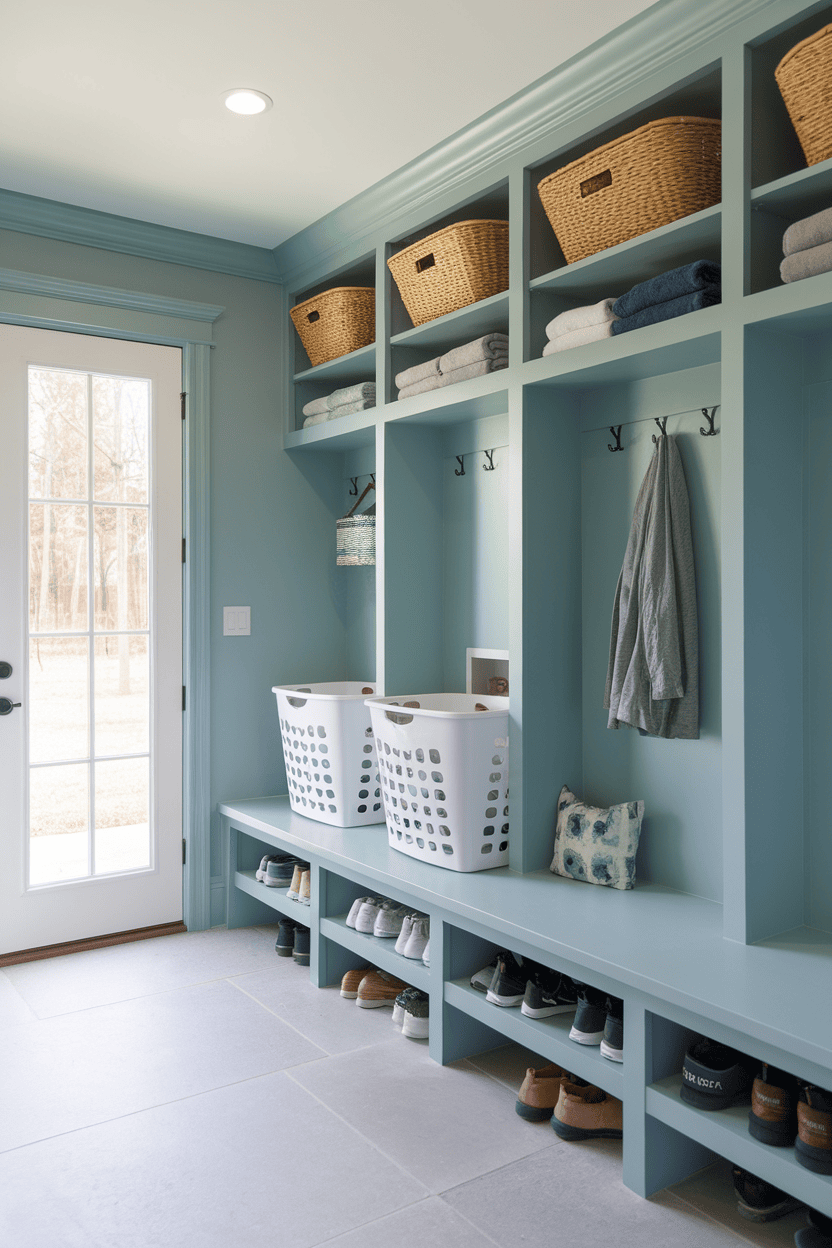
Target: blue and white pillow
[[595, 845]]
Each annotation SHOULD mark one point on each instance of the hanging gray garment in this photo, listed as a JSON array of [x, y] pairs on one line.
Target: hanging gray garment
[[653, 673]]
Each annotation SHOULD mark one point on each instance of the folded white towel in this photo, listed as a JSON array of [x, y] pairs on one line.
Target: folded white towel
[[478, 369], [579, 318], [410, 376], [351, 394], [316, 407], [578, 337], [488, 347], [317, 418], [343, 409]]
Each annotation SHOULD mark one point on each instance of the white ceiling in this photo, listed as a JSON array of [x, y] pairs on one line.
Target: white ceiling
[[118, 107]]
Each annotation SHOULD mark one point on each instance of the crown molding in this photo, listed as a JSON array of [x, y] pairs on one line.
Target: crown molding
[[69, 223], [106, 296], [638, 49]]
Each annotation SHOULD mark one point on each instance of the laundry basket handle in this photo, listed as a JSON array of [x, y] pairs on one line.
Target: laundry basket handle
[[360, 499]]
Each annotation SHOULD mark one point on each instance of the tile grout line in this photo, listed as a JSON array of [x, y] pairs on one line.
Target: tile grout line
[[360, 1134], [459, 1214], [283, 1020]]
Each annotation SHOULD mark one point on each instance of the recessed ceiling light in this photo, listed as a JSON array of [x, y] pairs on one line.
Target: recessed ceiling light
[[246, 101]]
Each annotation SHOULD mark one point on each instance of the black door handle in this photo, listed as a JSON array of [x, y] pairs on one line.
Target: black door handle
[[7, 706]]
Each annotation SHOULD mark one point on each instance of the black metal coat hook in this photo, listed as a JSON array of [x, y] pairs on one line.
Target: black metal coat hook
[[460, 471], [710, 431], [354, 489], [616, 433], [661, 421], [489, 467]]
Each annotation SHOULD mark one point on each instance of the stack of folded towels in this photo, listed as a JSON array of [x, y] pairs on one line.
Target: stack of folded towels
[[577, 326], [473, 359], [687, 289], [340, 403], [807, 247]]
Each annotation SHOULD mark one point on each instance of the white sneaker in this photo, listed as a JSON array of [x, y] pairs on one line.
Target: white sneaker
[[365, 920], [426, 954], [354, 908], [260, 873], [389, 919], [419, 937], [404, 934]]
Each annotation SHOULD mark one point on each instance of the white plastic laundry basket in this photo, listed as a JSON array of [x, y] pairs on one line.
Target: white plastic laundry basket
[[444, 777], [329, 753]]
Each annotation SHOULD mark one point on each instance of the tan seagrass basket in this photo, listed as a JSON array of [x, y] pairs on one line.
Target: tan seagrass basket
[[458, 265], [804, 77], [665, 170], [336, 322]]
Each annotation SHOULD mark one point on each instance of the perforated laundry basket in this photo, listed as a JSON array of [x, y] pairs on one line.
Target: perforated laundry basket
[[444, 777], [329, 753]]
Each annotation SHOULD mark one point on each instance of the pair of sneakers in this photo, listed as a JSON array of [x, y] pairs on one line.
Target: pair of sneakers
[[414, 938], [411, 1013], [599, 1019], [276, 870], [376, 916], [292, 941], [371, 988], [538, 990]]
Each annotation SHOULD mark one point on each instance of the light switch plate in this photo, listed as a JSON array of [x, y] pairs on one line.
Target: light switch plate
[[236, 621]]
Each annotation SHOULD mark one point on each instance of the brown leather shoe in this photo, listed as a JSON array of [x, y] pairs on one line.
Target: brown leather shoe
[[350, 981], [378, 988], [813, 1146], [773, 1115], [586, 1113], [539, 1093]]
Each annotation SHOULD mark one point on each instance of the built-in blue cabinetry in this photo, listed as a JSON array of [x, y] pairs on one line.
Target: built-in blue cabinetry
[[729, 930]]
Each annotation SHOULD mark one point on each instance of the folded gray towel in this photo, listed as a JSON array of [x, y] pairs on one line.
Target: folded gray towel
[[417, 373], [478, 369], [671, 285], [351, 394], [807, 263], [317, 407], [577, 338], [579, 318], [488, 347], [346, 409], [810, 232]]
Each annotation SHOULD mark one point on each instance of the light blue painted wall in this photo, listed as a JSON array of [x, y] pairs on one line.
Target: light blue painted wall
[[679, 781], [475, 556], [260, 502]]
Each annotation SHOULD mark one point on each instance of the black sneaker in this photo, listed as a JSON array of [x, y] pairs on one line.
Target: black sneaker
[[612, 1045], [300, 950], [509, 983], [714, 1076], [590, 1016], [285, 943], [818, 1234], [759, 1201], [548, 992]]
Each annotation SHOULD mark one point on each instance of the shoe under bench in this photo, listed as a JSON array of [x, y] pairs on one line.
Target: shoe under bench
[[660, 951]]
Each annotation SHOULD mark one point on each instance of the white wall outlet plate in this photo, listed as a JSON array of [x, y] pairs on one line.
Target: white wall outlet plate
[[236, 621]]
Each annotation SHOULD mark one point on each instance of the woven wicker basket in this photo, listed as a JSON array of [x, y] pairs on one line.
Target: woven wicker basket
[[804, 77], [456, 266], [355, 535], [336, 322], [648, 178]]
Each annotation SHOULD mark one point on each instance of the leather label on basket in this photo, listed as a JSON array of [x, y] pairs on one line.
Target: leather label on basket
[[313, 316], [597, 183], [427, 262]]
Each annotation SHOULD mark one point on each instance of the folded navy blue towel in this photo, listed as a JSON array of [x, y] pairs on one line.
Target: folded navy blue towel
[[670, 285], [665, 311]]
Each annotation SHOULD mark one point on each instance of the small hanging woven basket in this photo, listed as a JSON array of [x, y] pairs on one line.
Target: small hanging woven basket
[[356, 535]]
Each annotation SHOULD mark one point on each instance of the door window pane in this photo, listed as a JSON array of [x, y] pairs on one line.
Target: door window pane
[[58, 823], [120, 568], [58, 699], [57, 567], [121, 420], [57, 434], [122, 705], [122, 803]]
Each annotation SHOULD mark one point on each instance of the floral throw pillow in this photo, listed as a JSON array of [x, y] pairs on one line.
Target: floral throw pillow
[[595, 845]]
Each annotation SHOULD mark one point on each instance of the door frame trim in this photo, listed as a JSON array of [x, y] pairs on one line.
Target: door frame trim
[[75, 307]]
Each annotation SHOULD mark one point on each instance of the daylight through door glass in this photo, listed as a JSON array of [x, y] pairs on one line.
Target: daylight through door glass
[[90, 673]]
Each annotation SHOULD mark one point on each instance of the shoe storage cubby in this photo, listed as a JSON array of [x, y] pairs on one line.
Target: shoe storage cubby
[[729, 925], [337, 898]]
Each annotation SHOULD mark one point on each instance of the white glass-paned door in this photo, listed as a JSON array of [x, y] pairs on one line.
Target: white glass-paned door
[[91, 495]]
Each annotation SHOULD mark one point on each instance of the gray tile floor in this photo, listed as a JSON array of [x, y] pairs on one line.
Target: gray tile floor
[[197, 1090]]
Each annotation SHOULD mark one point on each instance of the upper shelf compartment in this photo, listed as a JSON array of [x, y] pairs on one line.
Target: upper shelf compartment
[[698, 96]]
